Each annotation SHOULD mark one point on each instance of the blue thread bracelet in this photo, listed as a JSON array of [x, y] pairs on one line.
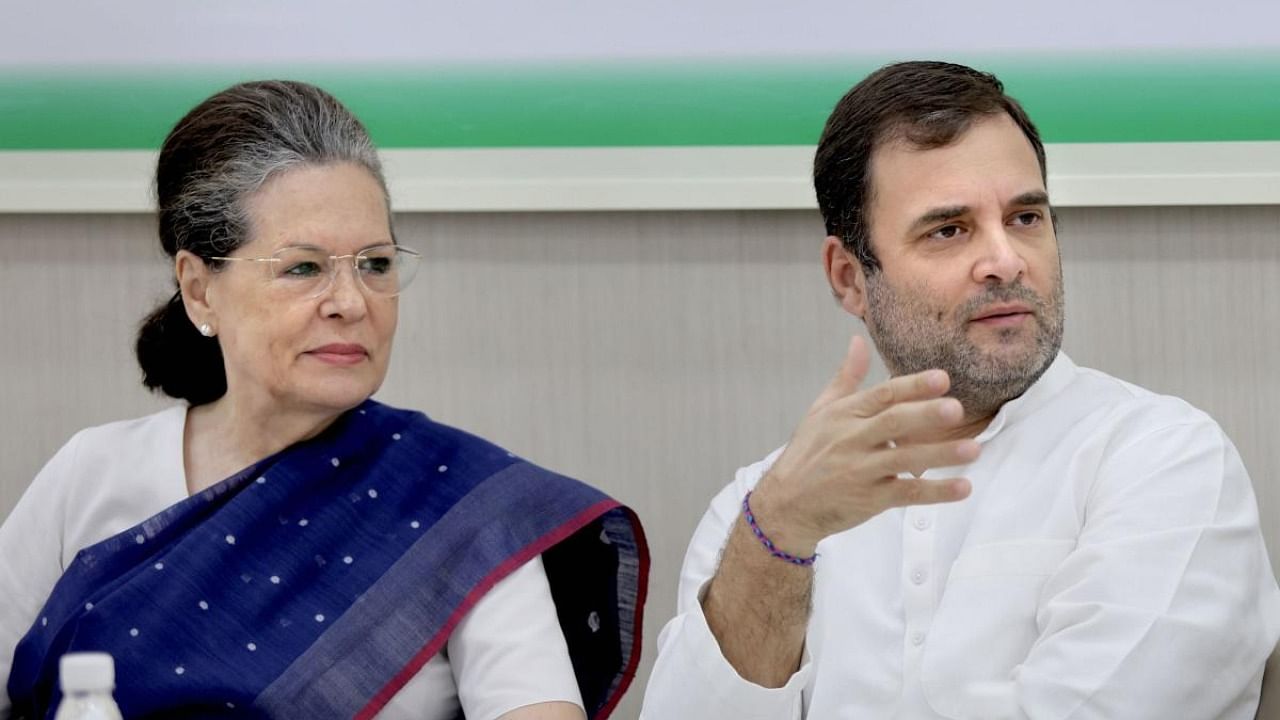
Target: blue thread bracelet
[[766, 542]]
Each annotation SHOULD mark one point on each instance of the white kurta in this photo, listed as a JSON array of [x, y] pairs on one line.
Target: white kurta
[[507, 652], [1109, 564]]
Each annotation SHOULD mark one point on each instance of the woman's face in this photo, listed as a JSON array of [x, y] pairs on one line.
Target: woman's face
[[322, 353]]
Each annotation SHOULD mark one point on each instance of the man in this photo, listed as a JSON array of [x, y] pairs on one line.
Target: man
[[993, 523]]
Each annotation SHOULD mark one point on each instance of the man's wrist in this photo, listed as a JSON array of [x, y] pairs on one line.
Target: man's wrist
[[770, 515], [767, 543]]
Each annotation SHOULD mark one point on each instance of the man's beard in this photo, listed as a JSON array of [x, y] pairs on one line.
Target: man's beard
[[913, 336]]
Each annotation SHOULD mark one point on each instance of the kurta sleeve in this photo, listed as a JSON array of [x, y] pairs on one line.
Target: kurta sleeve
[[1167, 607], [691, 678]]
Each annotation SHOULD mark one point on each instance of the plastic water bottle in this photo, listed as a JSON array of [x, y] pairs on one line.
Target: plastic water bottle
[[87, 680]]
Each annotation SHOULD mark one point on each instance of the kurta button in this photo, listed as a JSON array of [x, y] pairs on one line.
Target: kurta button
[[918, 577], [917, 638], [921, 522]]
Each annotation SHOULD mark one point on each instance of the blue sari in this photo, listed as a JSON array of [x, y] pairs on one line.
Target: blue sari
[[317, 583]]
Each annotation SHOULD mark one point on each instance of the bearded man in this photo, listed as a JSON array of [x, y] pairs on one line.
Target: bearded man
[[993, 531]]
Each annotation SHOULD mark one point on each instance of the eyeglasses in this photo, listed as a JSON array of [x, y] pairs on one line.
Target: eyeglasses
[[307, 272]]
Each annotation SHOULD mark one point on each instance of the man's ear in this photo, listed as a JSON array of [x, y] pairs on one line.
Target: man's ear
[[845, 275], [194, 278]]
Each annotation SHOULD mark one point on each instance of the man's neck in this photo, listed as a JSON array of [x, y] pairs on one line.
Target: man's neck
[[971, 428]]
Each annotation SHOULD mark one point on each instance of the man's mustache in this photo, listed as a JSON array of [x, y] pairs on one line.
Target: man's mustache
[[1016, 292]]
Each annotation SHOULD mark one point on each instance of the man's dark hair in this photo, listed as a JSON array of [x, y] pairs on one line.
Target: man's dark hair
[[927, 104]]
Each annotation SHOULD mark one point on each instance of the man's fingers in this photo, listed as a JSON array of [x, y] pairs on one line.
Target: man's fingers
[[920, 386], [902, 492], [853, 370], [911, 422], [889, 462]]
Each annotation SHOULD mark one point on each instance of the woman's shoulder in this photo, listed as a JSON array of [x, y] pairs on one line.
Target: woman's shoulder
[[447, 444], [415, 426], [107, 468], [145, 429], [136, 443]]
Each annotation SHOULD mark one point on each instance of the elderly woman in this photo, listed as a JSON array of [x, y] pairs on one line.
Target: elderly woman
[[279, 544]]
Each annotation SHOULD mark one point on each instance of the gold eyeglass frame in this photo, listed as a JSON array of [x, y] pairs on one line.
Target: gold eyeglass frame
[[334, 262]]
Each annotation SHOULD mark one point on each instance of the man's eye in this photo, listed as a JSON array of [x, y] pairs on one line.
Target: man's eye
[[1027, 219], [946, 232]]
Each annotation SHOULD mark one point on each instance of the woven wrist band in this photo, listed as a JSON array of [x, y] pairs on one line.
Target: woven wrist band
[[766, 542]]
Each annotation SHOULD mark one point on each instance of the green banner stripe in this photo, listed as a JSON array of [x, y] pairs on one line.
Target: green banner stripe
[[1133, 98]]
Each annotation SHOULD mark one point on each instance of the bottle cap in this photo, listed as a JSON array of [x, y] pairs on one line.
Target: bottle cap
[[87, 671]]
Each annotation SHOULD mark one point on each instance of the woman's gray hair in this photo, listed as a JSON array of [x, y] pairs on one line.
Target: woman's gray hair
[[211, 164], [228, 146]]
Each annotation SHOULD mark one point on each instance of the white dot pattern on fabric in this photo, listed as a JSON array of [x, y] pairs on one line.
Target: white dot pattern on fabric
[[348, 559], [139, 538], [319, 617], [261, 481], [593, 621], [231, 539], [442, 468], [373, 493], [604, 537], [395, 436], [252, 647], [204, 605], [302, 522], [44, 622], [88, 607], [179, 670], [362, 412], [158, 566], [415, 524], [335, 461], [275, 579], [231, 706], [133, 632]]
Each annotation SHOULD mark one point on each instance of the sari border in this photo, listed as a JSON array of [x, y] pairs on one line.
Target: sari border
[[432, 647], [642, 595]]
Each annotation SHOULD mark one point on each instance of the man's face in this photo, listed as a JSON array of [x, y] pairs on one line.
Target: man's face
[[970, 279]]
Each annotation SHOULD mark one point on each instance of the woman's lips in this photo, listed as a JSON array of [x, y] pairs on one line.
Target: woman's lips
[[343, 355]]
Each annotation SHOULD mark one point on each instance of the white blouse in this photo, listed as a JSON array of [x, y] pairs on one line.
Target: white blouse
[[506, 653]]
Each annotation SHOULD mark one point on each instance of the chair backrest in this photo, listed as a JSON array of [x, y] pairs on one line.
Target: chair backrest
[[1269, 707]]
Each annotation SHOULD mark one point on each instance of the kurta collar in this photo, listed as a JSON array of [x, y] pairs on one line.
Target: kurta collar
[[1053, 381]]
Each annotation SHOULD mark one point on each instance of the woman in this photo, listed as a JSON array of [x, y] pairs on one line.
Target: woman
[[280, 545]]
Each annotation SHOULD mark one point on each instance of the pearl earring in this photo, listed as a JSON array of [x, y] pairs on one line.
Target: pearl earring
[[205, 330]]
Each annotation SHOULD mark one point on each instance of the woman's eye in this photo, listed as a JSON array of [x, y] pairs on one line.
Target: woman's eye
[[303, 269], [375, 265]]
